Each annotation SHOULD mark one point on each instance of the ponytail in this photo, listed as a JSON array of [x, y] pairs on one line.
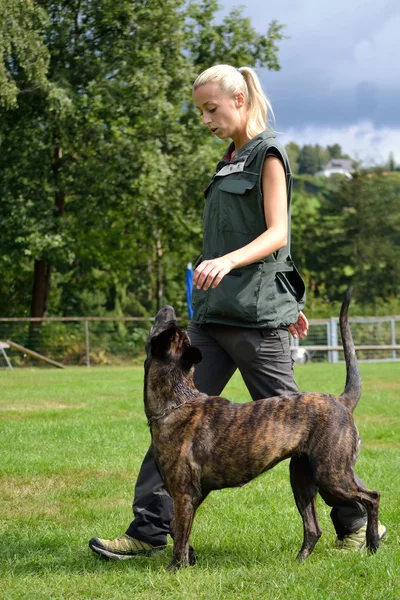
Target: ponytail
[[245, 79], [259, 107]]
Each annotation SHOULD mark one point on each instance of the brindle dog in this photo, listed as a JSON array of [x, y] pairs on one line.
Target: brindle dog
[[204, 443]]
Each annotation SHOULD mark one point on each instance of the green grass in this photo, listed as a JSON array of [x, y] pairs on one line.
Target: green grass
[[71, 444]]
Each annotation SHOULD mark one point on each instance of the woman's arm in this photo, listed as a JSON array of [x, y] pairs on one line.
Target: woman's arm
[[211, 272]]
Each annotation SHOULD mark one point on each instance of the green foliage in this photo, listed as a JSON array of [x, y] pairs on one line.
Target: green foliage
[[347, 232], [335, 151], [234, 41], [391, 163], [103, 160], [293, 152], [364, 245], [24, 57], [309, 159], [312, 158], [103, 167]]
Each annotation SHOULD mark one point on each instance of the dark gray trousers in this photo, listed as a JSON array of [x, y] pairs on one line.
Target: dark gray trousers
[[263, 359]]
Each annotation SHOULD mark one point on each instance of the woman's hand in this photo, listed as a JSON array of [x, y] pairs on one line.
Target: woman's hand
[[211, 272], [300, 328]]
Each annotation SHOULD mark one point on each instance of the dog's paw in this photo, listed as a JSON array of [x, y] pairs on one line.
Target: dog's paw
[[192, 556], [373, 545], [175, 565], [303, 554], [300, 557]]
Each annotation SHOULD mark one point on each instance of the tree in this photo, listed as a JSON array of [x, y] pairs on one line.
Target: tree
[[24, 57], [391, 163], [335, 151], [102, 167], [312, 158], [293, 152], [360, 244], [234, 41]]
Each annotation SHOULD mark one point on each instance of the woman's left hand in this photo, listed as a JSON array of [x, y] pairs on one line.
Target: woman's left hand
[[211, 272], [300, 328]]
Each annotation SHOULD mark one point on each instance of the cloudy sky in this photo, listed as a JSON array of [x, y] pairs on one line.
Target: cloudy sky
[[340, 72]]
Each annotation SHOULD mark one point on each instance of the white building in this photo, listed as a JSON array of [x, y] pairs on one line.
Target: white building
[[343, 166]]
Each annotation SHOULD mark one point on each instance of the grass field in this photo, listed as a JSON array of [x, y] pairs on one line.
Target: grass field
[[71, 444]]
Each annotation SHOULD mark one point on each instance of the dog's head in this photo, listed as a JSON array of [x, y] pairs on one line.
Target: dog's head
[[167, 342]]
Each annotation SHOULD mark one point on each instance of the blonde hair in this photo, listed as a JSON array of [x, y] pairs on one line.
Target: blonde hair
[[245, 79]]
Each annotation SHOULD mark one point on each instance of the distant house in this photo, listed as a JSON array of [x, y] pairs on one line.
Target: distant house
[[343, 166]]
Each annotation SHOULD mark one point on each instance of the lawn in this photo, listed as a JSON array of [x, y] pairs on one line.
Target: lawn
[[71, 444]]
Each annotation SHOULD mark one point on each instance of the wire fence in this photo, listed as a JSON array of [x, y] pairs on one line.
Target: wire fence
[[90, 341], [376, 339], [84, 341]]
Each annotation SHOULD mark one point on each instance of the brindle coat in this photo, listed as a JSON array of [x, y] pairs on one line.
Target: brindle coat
[[204, 443]]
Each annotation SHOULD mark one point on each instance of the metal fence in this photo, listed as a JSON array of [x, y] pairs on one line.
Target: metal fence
[[376, 339], [111, 340], [72, 340]]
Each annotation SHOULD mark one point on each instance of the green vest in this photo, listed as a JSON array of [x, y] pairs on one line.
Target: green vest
[[270, 292]]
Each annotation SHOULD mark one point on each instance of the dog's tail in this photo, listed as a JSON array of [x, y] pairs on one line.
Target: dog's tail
[[352, 390]]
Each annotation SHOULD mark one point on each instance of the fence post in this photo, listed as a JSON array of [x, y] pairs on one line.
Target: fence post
[[87, 343], [334, 340], [329, 340], [393, 324], [295, 342]]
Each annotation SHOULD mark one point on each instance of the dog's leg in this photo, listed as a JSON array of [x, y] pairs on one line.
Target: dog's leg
[[184, 511], [370, 499], [192, 553], [305, 492], [350, 490]]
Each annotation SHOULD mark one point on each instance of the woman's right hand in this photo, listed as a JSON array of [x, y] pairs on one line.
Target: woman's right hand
[[211, 272], [300, 328]]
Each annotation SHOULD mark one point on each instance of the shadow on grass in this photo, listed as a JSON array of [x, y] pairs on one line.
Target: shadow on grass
[[58, 556]]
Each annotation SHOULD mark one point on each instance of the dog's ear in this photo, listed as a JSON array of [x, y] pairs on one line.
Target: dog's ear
[[190, 356], [160, 344]]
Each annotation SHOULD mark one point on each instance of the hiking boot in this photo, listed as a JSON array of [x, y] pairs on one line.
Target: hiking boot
[[357, 540], [122, 548]]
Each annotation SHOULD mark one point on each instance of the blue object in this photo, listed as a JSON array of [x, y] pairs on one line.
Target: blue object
[[189, 289]]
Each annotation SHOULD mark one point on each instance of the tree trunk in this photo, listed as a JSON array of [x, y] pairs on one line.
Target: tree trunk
[[42, 268], [150, 281], [160, 291], [59, 199], [40, 296]]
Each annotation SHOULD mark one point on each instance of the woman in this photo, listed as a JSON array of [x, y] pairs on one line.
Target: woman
[[248, 293]]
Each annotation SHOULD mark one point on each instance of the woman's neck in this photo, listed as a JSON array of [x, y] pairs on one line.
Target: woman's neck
[[239, 141]]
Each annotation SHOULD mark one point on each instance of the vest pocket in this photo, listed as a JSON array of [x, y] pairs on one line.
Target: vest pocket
[[236, 296], [238, 210], [294, 284], [236, 186]]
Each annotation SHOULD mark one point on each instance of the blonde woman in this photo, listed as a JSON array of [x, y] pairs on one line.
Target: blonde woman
[[247, 295]]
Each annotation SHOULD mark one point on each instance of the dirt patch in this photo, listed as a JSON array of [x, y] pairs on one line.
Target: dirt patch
[[41, 495], [41, 406]]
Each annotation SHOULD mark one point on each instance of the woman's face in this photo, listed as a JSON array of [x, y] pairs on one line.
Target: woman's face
[[220, 113]]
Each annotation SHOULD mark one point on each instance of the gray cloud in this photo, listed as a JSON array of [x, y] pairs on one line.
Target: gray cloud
[[310, 103], [341, 64]]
